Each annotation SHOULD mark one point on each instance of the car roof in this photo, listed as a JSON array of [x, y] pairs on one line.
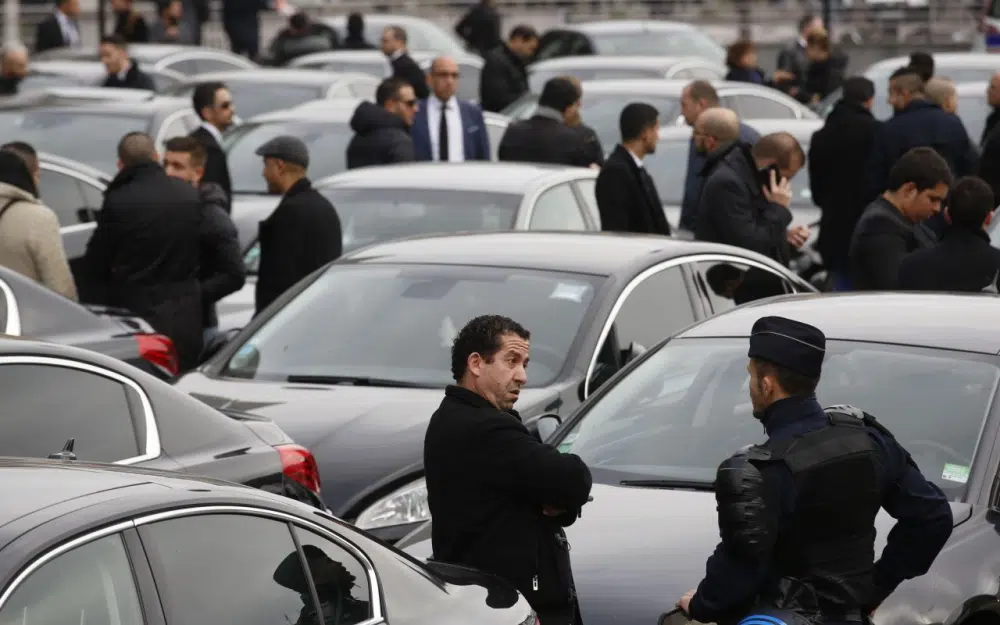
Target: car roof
[[66, 66], [489, 177], [801, 129], [659, 86], [941, 60], [626, 26], [973, 88], [62, 98], [936, 320], [595, 253], [285, 75], [597, 61], [83, 168], [331, 110]]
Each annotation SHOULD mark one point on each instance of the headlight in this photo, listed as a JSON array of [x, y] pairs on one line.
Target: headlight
[[405, 505]]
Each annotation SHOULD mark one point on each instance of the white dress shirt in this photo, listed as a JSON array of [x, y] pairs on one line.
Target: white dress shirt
[[453, 117], [212, 130], [69, 31], [638, 161]]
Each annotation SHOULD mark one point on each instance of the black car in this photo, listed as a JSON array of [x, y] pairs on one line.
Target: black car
[[927, 366], [103, 410], [83, 543], [181, 59], [88, 129], [353, 360]]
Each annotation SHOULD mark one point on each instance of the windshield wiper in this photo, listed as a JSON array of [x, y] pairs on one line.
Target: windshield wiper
[[684, 484], [354, 381]]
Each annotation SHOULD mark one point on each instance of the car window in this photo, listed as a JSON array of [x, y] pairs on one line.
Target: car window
[[255, 98], [557, 209], [495, 132], [686, 407], [659, 43], [588, 191], [601, 111], [973, 111], [163, 81], [363, 88], [562, 43], [341, 581], [211, 64], [46, 405], [176, 126], [63, 194], [699, 73], [658, 307], [94, 196], [227, 568], [537, 79], [468, 84], [186, 67], [727, 284], [760, 107], [379, 69], [92, 583], [417, 311]]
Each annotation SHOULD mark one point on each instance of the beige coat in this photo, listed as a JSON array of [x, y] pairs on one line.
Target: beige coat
[[30, 242]]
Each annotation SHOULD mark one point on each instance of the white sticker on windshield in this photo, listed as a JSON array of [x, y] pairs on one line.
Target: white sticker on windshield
[[955, 473], [571, 292]]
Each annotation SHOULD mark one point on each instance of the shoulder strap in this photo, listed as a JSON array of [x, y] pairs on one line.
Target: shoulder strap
[[6, 206]]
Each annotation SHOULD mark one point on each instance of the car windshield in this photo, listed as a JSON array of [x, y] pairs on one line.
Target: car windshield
[[668, 168], [659, 43], [87, 137], [327, 142], [397, 323], [538, 78], [687, 407], [256, 98]]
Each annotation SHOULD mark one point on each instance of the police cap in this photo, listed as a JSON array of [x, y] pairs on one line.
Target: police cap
[[286, 148], [796, 346]]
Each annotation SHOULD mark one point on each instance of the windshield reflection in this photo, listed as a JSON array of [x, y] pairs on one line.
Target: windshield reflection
[[687, 407]]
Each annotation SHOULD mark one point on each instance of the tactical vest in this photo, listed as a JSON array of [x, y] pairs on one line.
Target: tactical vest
[[825, 558]]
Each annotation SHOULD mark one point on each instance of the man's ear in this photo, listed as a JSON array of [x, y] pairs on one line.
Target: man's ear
[[988, 220], [199, 173], [121, 165], [474, 363]]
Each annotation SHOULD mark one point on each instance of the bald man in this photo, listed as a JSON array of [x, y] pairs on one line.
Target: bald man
[[13, 68], [445, 128], [941, 91], [714, 130]]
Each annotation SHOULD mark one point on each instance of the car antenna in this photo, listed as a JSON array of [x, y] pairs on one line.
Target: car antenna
[[66, 453]]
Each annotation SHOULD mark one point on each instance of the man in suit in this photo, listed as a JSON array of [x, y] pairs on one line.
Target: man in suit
[[546, 137], [59, 30], [446, 128], [123, 72], [626, 195], [792, 58], [403, 65], [214, 105]]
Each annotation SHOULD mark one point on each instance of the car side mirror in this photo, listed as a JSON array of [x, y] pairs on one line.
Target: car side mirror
[[543, 426], [215, 345], [633, 351]]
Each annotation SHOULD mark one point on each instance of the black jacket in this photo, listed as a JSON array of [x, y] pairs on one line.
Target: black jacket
[[487, 481], [216, 165], [134, 78], [222, 271], [627, 197], [146, 252], [380, 138], [991, 123], [823, 78], [48, 35], [792, 58], [288, 45], [131, 25], [733, 209], [989, 164], [837, 157], [405, 68], [300, 236], [9, 85], [920, 124], [480, 28], [504, 79], [595, 151], [545, 139], [963, 261], [355, 43], [881, 240]]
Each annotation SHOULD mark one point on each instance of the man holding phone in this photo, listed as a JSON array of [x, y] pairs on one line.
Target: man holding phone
[[746, 198]]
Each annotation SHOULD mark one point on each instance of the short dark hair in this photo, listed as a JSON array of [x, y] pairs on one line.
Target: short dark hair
[[204, 95], [781, 147], [135, 148], [923, 166], [398, 32], [389, 89], [116, 40], [795, 384], [635, 118], [703, 90], [737, 51], [969, 202], [482, 336], [523, 32], [858, 90], [188, 145], [25, 150], [355, 24], [299, 21], [559, 94], [805, 20], [923, 63]]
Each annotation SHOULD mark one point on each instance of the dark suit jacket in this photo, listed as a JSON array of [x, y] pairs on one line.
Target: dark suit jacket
[[625, 204], [216, 166], [48, 35], [881, 240], [405, 68], [963, 261], [475, 140]]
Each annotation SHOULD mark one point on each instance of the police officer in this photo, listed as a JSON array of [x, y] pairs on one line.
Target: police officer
[[797, 513]]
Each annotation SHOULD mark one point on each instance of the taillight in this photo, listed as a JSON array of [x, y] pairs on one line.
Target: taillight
[[158, 350], [298, 463]]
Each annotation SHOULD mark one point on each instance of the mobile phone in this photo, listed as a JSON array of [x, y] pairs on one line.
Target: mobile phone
[[765, 175]]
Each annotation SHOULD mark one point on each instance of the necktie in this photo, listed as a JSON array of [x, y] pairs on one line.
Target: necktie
[[443, 134]]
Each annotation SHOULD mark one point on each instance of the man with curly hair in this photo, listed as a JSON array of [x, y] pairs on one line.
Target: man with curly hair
[[498, 496]]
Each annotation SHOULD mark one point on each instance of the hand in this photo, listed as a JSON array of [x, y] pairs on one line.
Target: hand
[[778, 192], [781, 76], [797, 236], [548, 510], [793, 91], [685, 601], [594, 166]]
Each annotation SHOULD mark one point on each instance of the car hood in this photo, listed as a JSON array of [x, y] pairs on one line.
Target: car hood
[[636, 550], [363, 438]]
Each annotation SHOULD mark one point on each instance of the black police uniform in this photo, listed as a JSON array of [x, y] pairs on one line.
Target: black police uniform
[[797, 513]]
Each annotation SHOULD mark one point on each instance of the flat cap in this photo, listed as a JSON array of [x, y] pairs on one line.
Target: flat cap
[[796, 346], [286, 148]]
